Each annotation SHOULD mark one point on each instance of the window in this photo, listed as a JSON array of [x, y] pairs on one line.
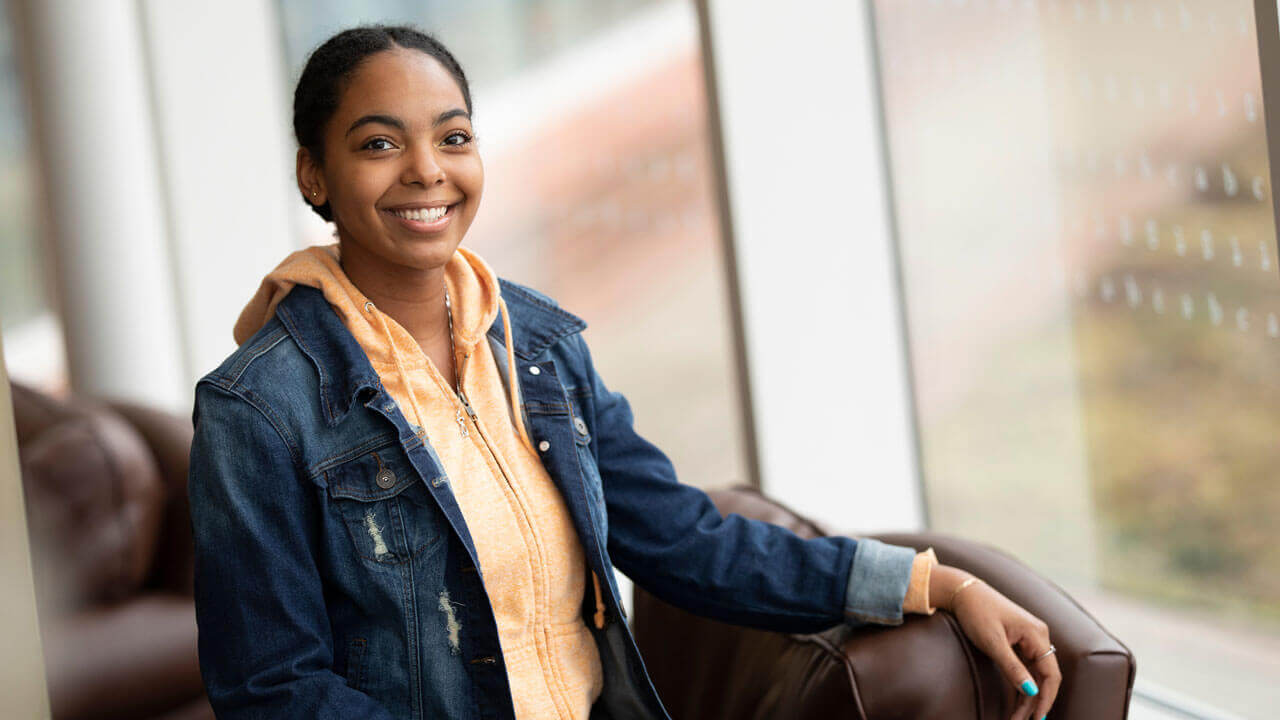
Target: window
[[33, 336], [1084, 206]]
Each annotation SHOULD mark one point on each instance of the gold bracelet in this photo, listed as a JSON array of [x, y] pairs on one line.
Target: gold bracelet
[[951, 601]]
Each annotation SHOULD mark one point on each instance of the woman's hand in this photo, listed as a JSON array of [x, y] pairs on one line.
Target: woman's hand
[[998, 627]]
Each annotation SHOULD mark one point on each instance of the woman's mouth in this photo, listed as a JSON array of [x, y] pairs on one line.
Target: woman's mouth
[[424, 220]]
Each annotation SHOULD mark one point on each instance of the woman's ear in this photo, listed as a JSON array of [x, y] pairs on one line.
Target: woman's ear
[[310, 178]]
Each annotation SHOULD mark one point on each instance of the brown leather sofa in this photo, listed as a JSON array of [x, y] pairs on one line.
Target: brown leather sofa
[[105, 486], [923, 670]]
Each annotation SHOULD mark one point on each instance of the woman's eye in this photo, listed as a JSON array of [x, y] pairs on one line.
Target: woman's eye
[[372, 144], [461, 138]]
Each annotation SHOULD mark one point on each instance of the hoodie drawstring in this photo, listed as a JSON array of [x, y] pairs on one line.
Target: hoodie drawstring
[[511, 374], [395, 355], [599, 616]]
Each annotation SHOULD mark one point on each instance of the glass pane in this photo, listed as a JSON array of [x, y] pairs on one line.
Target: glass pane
[[22, 291], [1089, 255], [490, 38], [591, 119]]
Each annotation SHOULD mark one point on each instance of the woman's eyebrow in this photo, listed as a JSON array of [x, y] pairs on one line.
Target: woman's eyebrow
[[382, 119], [451, 114], [394, 121]]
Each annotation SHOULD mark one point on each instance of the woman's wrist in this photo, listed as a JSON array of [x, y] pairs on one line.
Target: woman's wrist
[[943, 584]]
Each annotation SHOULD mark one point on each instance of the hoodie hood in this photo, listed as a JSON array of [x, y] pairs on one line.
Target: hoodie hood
[[475, 297], [473, 289]]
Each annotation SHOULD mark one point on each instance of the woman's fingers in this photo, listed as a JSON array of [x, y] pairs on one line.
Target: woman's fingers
[[1032, 640], [1050, 680], [1013, 669]]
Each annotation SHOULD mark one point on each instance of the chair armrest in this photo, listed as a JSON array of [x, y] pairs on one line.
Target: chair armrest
[[924, 669], [1098, 670]]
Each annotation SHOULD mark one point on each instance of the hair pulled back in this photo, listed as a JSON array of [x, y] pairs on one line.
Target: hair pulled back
[[330, 67]]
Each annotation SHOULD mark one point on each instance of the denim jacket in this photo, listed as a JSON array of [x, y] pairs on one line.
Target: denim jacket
[[297, 445]]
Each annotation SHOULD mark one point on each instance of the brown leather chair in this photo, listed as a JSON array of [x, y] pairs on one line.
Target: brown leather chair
[[924, 669], [105, 491]]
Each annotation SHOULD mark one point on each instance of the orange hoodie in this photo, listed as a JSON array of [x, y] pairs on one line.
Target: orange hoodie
[[531, 561]]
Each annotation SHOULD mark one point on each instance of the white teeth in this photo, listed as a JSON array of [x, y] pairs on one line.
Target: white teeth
[[422, 215]]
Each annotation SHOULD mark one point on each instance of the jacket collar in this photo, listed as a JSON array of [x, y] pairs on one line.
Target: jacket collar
[[344, 369], [536, 323]]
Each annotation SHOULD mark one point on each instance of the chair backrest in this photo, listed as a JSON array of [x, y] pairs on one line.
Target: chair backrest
[[95, 501]]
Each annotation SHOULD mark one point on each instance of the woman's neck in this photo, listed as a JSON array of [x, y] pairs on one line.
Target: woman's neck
[[412, 297]]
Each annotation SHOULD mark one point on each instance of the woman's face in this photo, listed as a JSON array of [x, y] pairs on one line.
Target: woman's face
[[398, 150]]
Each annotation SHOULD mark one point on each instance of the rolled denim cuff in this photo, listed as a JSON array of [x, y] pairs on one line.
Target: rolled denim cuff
[[878, 581]]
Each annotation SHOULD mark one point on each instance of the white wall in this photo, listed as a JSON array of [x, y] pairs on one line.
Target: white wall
[[816, 266], [167, 168], [222, 112], [102, 209]]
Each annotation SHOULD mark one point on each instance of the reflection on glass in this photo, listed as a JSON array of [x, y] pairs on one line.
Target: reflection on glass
[[22, 293], [491, 39], [1088, 251]]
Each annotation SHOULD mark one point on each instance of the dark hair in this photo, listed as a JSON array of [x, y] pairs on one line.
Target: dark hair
[[330, 67]]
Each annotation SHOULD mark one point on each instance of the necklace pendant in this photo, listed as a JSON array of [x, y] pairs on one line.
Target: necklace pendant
[[462, 425]]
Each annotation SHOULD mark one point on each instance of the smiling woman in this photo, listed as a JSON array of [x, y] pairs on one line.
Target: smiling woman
[[410, 487]]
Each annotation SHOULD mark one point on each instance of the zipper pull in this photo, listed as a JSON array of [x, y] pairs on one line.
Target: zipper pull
[[458, 413], [462, 424]]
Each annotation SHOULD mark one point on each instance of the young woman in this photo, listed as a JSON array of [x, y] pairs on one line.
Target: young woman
[[410, 487]]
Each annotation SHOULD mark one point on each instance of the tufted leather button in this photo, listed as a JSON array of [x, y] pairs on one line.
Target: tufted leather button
[[580, 425], [535, 370], [544, 446]]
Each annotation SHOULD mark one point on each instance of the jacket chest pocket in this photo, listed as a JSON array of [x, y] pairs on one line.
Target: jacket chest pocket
[[388, 512]]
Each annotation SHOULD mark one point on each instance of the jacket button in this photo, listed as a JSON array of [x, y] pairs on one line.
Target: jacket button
[[385, 478], [544, 446], [534, 370], [580, 425]]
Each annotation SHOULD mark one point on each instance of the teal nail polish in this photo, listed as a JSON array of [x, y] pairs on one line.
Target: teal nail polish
[[1042, 717], [1029, 688]]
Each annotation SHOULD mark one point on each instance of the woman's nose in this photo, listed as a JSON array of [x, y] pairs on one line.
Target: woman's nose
[[423, 167]]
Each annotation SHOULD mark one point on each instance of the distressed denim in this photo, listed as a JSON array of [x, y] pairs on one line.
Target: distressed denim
[[334, 573]]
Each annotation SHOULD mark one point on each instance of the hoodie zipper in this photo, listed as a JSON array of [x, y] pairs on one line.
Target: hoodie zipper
[[599, 617], [466, 404]]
